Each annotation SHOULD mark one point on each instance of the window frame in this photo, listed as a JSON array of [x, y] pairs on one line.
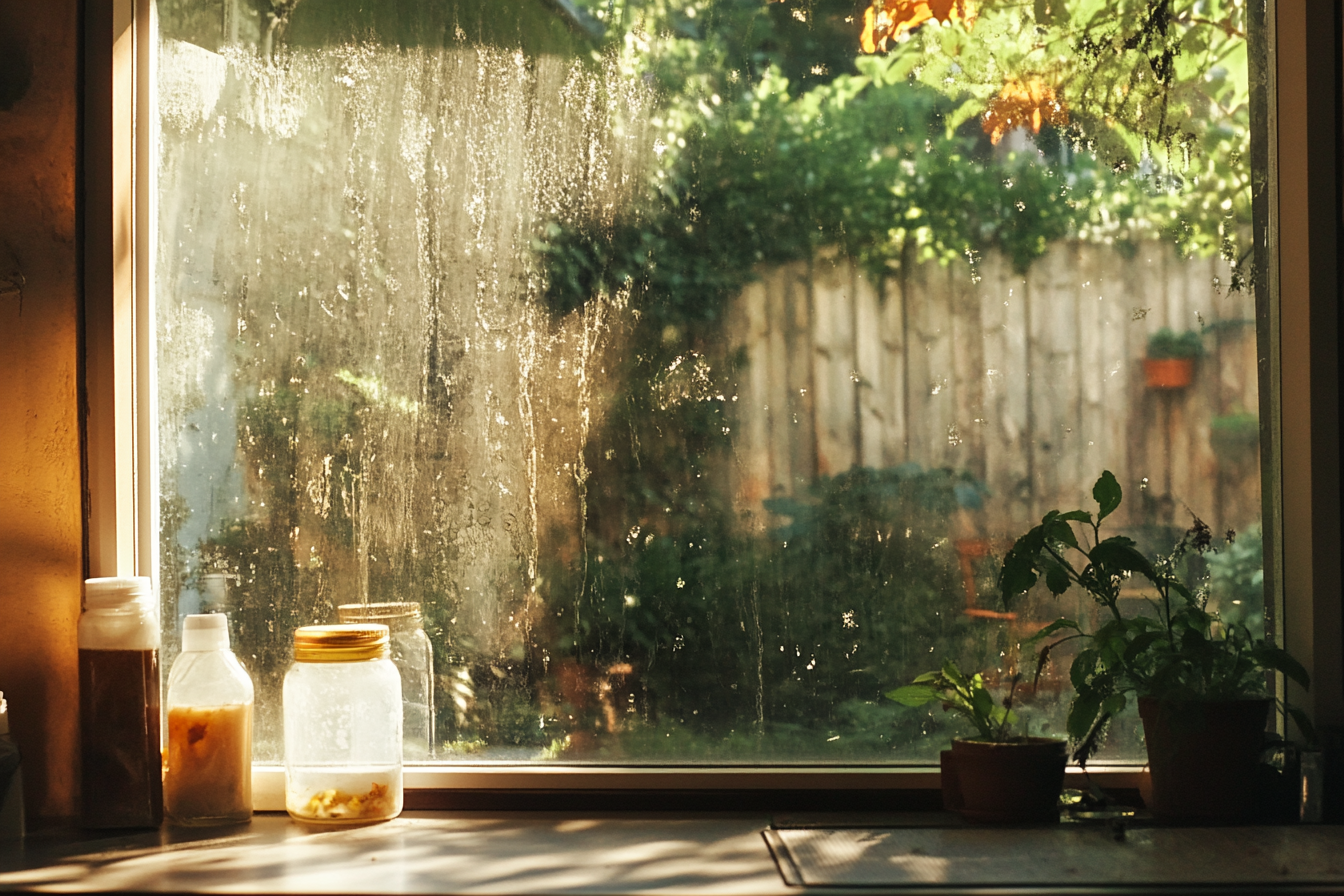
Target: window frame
[[1298, 321]]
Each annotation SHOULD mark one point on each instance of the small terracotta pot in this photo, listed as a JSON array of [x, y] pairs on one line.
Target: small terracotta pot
[[1203, 758], [1016, 782], [1168, 373]]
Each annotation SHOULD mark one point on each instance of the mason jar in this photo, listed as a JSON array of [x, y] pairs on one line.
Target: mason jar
[[414, 659], [342, 708]]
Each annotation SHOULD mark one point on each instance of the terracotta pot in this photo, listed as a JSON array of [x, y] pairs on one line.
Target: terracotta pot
[[1014, 782], [1168, 373], [1203, 758]]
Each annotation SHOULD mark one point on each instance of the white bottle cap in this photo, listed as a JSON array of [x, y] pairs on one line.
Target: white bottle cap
[[205, 631], [117, 591]]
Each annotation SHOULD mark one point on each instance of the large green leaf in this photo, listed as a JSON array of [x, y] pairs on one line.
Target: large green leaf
[[1107, 494], [1056, 579], [914, 695], [1057, 625], [1083, 713], [1280, 660], [1084, 664], [1118, 554]]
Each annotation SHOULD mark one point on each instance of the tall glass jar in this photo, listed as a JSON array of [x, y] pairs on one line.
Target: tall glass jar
[[414, 659], [342, 707]]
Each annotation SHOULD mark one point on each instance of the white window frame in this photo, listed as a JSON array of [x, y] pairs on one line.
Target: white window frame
[[1302, 470]]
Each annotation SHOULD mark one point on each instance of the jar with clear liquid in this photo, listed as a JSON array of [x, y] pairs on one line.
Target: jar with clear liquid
[[342, 709], [414, 658]]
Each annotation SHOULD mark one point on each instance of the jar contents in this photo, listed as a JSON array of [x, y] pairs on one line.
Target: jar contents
[[350, 794], [209, 774], [119, 721]]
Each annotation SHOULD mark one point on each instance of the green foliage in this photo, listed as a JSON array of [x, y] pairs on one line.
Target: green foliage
[[1181, 650], [964, 694], [851, 592], [1157, 89], [1166, 343], [765, 160], [1237, 580], [1235, 436]]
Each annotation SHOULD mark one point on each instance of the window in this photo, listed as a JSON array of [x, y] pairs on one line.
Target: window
[[519, 416]]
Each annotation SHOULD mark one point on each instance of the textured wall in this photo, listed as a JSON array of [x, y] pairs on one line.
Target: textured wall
[[40, 519]]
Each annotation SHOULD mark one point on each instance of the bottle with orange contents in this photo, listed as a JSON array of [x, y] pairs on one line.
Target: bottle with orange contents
[[208, 779]]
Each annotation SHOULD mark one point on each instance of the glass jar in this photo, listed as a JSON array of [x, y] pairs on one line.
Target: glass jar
[[414, 659], [342, 707]]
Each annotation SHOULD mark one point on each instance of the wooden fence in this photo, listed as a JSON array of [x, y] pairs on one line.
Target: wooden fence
[[1033, 383]]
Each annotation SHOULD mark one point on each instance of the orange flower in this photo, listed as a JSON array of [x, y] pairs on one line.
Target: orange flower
[[886, 20], [1022, 104]]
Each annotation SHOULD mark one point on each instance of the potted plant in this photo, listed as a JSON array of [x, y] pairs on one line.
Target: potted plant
[[994, 776], [1199, 679], [1170, 363]]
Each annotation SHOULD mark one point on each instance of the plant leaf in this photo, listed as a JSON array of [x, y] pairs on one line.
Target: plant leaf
[[1280, 660], [914, 695], [1303, 724], [1113, 705], [1057, 625], [1083, 713], [1084, 664], [1118, 554], [1078, 516], [1056, 579], [1107, 494]]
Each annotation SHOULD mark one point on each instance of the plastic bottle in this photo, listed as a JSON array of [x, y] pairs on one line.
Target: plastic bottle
[[342, 703], [11, 780], [120, 742], [208, 779]]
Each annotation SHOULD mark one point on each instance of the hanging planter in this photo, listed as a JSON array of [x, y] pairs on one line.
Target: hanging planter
[[1168, 373], [1171, 359]]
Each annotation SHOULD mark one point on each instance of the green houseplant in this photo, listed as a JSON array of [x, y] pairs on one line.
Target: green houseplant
[[994, 776], [1200, 679], [1170, 363]]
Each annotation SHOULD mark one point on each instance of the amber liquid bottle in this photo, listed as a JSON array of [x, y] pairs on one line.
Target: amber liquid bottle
[[208, 777], [120, 743]]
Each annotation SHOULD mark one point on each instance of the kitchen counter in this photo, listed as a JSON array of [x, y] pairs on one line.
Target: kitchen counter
[[638, 853]]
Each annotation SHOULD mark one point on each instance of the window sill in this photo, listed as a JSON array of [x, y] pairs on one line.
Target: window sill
[[450, 786], [682, 853]]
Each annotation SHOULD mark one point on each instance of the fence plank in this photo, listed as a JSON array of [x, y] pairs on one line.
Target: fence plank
[[832, 367], [801, 400], [873, 397], [895, 445], [751, 446], [966, 443]]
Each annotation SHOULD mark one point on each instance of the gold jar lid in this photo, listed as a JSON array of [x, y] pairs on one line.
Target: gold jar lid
[[340, 643], [398, 616]]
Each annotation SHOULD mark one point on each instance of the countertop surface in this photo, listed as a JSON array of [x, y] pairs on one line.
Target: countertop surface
[[637, 853]]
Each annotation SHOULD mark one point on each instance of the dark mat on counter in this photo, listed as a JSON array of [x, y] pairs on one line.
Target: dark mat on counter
[[1081, 855]]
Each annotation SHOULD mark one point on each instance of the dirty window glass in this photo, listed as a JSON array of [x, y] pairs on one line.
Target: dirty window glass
[[692, 365]]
